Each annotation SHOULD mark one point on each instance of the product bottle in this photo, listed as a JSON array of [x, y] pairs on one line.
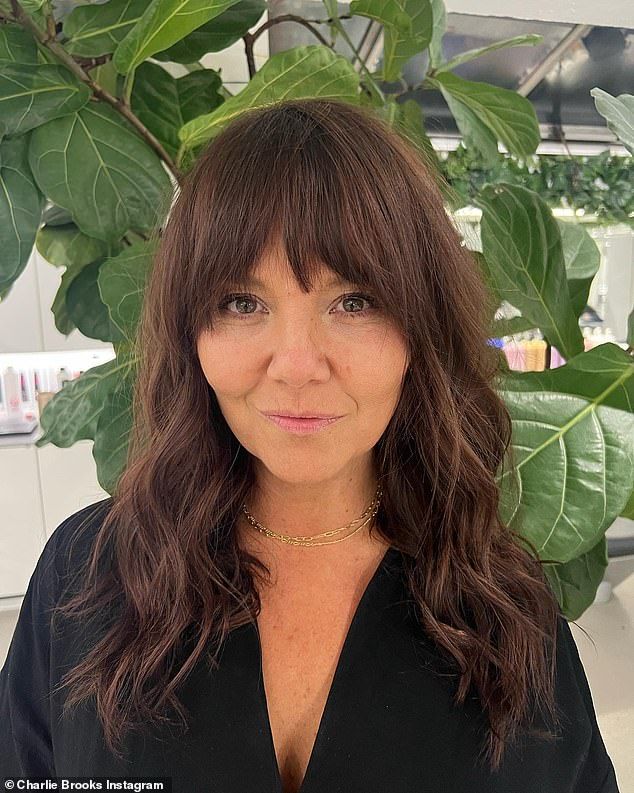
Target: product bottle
[[62, 377], [12, 391]]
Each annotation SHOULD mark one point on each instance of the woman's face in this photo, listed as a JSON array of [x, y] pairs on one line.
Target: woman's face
[[275, 348]]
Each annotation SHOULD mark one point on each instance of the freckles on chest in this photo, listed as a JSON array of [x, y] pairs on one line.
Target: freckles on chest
[[300, 652]]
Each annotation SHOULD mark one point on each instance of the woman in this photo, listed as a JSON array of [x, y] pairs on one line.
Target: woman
[[324, 604]]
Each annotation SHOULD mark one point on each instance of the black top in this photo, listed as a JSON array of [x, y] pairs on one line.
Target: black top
[[389, 723]]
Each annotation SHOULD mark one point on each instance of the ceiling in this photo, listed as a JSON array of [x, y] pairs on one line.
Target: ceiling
[[555, 75], [557, 85]]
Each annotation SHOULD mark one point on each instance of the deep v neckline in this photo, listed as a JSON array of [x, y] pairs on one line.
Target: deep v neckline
[[342, 665]]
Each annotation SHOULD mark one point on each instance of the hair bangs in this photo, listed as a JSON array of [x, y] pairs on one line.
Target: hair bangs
[[288, 183]]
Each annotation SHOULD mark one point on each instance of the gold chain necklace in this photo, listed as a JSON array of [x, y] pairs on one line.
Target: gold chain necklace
[[372, 509]]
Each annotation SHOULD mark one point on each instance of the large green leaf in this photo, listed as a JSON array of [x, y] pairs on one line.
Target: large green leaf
[[510, 117], [65, 246], [21, 205], [399, 47], [582, 259], [71, 415], [407, 30], [575, 583], [122, 282], [17, 45], [63, 321], [34, 10], [96, 29], [85, 307], [439, 15], [476, 134], [110, 448], [56, 216], [163, 23], [522, 246], [391, 14], [217, 34], [164, 104], [308, 71], [30, 95], [108, 78], [68, 247], [628, 509], [95, 165], [590, 375], [516, 41], [573, 441], [619, 114], [511, 327]]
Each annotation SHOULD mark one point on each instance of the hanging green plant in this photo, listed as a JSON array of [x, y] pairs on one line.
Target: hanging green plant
[[601, 185]]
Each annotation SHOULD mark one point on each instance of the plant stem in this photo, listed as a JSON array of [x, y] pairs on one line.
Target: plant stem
[[120, 105], [250, 38], [127, 87], [346, 37]]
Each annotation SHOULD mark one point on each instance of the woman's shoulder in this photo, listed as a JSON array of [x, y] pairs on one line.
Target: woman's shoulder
[[595, 772], [69, 545]]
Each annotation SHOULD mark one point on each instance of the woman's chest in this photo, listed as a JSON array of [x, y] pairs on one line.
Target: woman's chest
[[300, 650], [321, 710]]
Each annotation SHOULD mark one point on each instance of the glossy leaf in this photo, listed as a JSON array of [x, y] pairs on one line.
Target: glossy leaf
[[399, 47], [516, 41], [164, 104], [96, 29], [522, 246], [309, 71], [575, 583], [510, 117], [63, 321], [31, 95], [511, 327], [107, 77], [56, 216], [476, 134], [85, 307], [121, 284], [17, 45], [619, 113], [65, 246], [573, 441], [95, 165], [217, 34], [72, 413], [110, 448], [628, 510], [21, 205], [163, 23], [582, 259], [439, 17], [407, 29], [392, 14]]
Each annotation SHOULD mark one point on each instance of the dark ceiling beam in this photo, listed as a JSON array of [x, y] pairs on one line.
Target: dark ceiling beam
[[537, 74]]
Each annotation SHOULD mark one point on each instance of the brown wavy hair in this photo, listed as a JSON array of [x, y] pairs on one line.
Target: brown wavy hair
[[335, 184]]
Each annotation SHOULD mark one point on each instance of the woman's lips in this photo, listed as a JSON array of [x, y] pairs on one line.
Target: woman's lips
[[301, 426]]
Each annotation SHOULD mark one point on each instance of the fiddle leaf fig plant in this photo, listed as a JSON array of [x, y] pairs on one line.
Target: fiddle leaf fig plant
[[100, 133]]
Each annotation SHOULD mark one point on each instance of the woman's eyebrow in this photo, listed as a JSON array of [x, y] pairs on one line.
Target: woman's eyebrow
[[255, 282]]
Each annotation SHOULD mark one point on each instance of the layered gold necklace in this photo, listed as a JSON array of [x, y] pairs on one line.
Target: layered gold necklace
[[366, 517]]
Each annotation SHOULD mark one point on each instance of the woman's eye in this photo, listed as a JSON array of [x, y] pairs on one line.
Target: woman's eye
[[358, 299], [352, 305], [240, 300]]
